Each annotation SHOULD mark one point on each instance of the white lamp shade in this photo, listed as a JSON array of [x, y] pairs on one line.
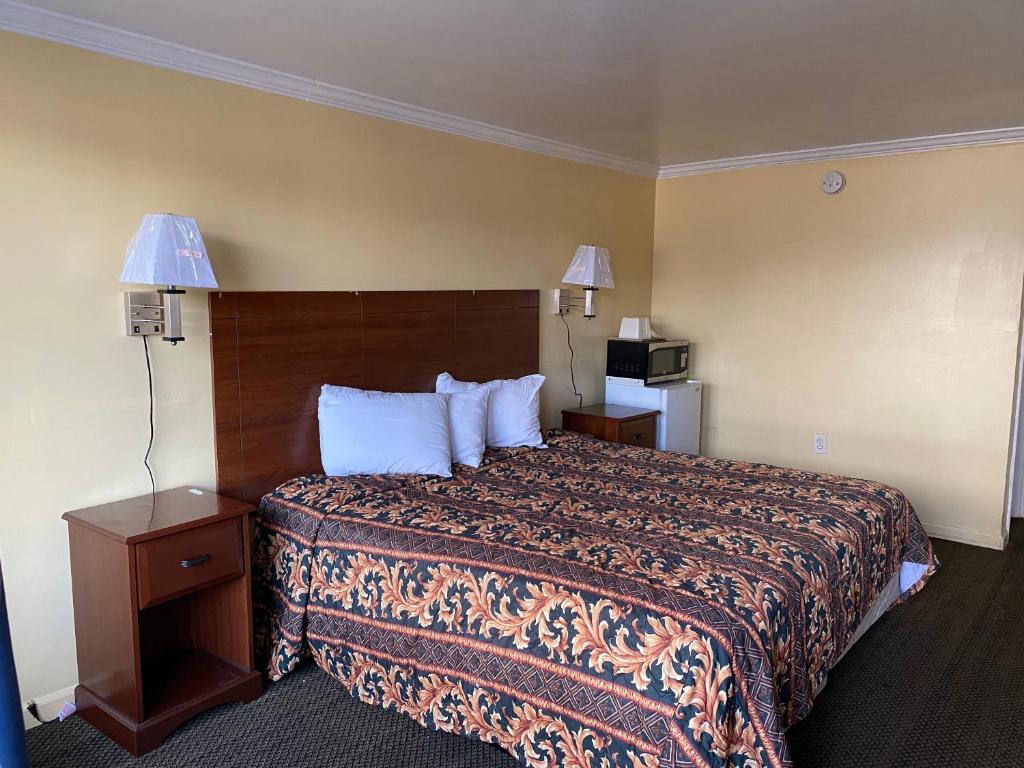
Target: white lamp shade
[[168, 250], [591, 266]]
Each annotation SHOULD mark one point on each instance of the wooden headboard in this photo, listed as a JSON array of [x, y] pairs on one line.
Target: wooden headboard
[[273, 350]]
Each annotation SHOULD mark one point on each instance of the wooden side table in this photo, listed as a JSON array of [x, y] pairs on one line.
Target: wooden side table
[[163, 612], [615, 423]]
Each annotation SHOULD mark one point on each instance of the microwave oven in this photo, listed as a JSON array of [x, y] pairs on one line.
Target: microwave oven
[[648, 360]]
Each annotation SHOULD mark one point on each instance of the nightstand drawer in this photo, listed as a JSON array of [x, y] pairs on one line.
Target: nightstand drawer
[[617, 423], [176, 564], [637, 432]]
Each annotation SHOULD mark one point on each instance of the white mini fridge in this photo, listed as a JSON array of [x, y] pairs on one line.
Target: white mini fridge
[[678, 401]]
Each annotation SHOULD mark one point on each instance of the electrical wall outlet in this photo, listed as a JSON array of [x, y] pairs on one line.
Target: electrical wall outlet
[[820, 442]]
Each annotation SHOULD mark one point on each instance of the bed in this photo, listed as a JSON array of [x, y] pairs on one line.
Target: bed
[[583, 604]]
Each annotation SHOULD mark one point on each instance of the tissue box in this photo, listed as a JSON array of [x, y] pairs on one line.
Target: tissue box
[[635, 328]]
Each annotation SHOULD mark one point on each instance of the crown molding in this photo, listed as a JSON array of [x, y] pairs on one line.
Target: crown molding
[[61, 28], [866, 149]]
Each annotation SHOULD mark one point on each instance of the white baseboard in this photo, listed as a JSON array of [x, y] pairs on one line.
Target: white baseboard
[[49, 705], [966, 535]]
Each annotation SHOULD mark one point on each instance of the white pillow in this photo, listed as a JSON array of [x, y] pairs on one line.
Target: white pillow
[[513, 408], [467, 420], [374, 433]]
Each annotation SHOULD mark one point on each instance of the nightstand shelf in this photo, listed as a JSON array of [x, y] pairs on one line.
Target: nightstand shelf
[[163, 612], [180, 677]]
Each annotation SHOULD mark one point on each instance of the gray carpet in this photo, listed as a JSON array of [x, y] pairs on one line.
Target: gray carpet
[[937, 682], [305, 720]]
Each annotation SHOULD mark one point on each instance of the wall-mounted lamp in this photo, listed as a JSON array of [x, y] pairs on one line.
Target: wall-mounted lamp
[[166, 250], [590, 267]]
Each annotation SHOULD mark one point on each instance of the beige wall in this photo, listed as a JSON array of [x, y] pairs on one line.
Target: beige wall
[[886, 316], [289, 196]]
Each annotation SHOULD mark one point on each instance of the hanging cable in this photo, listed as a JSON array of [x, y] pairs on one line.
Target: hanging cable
[[152, 426], [572, 356]]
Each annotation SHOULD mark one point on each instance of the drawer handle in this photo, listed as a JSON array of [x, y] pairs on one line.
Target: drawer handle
[[194, 561], [637, 435]]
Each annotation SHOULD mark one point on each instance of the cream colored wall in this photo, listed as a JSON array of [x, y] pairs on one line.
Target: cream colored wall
[[886, 316], [289, 196]]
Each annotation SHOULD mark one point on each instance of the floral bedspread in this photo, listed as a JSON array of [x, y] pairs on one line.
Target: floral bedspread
[[588, 604]]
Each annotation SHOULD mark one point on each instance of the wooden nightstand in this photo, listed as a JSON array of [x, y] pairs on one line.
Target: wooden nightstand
[[616, 423], [163, 612]]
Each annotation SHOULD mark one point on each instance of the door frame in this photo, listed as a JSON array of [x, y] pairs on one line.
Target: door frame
[[1015, 465]]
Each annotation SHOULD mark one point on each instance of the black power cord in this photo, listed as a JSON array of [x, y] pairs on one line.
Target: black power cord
[[572, 356], [152, 427]]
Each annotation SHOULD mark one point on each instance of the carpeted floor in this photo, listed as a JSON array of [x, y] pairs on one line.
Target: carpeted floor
[[937, 682]]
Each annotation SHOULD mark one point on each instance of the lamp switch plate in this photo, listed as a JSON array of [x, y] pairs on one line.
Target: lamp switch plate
[[145, 328], [143, 313], [558, 301]]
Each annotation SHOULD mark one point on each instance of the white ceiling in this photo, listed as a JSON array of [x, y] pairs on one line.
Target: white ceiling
[[659, 81]]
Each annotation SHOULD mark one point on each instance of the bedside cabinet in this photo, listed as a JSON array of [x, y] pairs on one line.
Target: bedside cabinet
[[163, 612], [615, 423]]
